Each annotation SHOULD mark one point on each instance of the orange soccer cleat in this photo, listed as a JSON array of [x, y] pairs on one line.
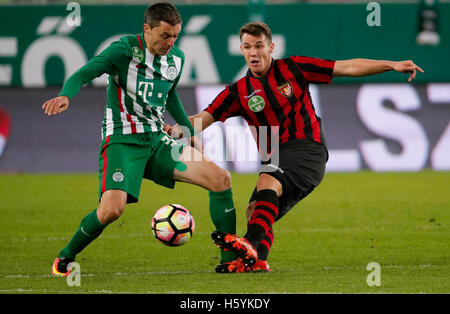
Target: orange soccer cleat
[[238, 266], [261, 266], [241, 246]]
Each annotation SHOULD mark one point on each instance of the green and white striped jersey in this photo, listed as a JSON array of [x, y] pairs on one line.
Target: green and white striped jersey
[[140, 86]]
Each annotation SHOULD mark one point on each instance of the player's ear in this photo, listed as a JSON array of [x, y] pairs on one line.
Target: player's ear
[[146, 27], [271, 46]]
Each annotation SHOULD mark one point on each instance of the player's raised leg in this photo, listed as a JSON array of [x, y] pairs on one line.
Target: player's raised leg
[[201, 171]]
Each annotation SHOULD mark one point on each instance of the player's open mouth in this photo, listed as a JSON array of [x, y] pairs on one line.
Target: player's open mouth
[[254, 62]]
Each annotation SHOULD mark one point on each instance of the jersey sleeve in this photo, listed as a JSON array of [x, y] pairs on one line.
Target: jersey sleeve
[[106, 62], [176, 110], [315, 70], [175, 107], [225, 105]]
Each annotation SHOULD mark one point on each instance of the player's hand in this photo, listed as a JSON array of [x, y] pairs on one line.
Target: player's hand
[[168, 129], [175, 131], [56, 105], [407, 67], [197, 143]]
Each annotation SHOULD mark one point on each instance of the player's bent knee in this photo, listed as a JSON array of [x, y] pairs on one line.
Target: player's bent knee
[[112, 206], [109, 213], [220, 180], [227, 179], [266, 181]]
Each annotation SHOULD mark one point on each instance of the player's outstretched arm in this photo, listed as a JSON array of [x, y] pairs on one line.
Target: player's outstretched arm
[[103, 63], [364, 67], [56, 105], [201, 120]]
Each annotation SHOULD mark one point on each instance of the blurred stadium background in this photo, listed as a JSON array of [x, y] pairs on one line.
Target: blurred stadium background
[[381, 123]]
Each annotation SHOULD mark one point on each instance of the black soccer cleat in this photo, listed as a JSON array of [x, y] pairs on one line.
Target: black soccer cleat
[[60, 266]]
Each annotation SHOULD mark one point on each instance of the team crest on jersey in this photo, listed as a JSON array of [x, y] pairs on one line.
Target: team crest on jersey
[[137, 54], [285, 89], [256, 103], [172, 73]]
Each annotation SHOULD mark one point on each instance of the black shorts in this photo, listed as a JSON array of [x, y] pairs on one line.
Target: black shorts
[[301, 167]]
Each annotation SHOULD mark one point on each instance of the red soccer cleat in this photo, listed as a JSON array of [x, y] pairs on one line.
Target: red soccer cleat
[[241, 246], [261, 266], [236, 266]]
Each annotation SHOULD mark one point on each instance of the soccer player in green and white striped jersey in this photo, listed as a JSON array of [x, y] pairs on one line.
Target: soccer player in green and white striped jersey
[[144, 71]]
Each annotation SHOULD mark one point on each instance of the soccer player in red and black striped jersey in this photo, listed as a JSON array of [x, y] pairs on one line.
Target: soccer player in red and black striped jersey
[[275, 94]]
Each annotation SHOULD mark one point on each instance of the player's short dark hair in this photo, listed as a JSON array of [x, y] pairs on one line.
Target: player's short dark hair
[[162, 11], [256, 29]]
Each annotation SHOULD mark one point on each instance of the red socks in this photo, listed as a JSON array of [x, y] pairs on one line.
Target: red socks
[[259, 228]]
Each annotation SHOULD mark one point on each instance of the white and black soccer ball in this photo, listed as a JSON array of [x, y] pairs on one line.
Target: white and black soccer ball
[[173, 225]]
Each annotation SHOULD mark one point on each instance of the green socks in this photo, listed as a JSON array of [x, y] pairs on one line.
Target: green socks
[[90, 228], [223, 215]]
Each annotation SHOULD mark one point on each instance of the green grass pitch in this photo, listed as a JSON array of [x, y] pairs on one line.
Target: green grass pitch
[[399, 220]]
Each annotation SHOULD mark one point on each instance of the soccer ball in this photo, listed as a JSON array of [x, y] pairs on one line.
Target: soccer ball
[[173, 225]]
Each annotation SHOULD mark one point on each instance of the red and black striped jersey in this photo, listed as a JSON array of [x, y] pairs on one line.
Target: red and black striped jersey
[[279, 99]]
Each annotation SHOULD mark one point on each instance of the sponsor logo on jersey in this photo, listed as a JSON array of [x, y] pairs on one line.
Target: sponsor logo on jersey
[[256, 91], [256, 103]]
